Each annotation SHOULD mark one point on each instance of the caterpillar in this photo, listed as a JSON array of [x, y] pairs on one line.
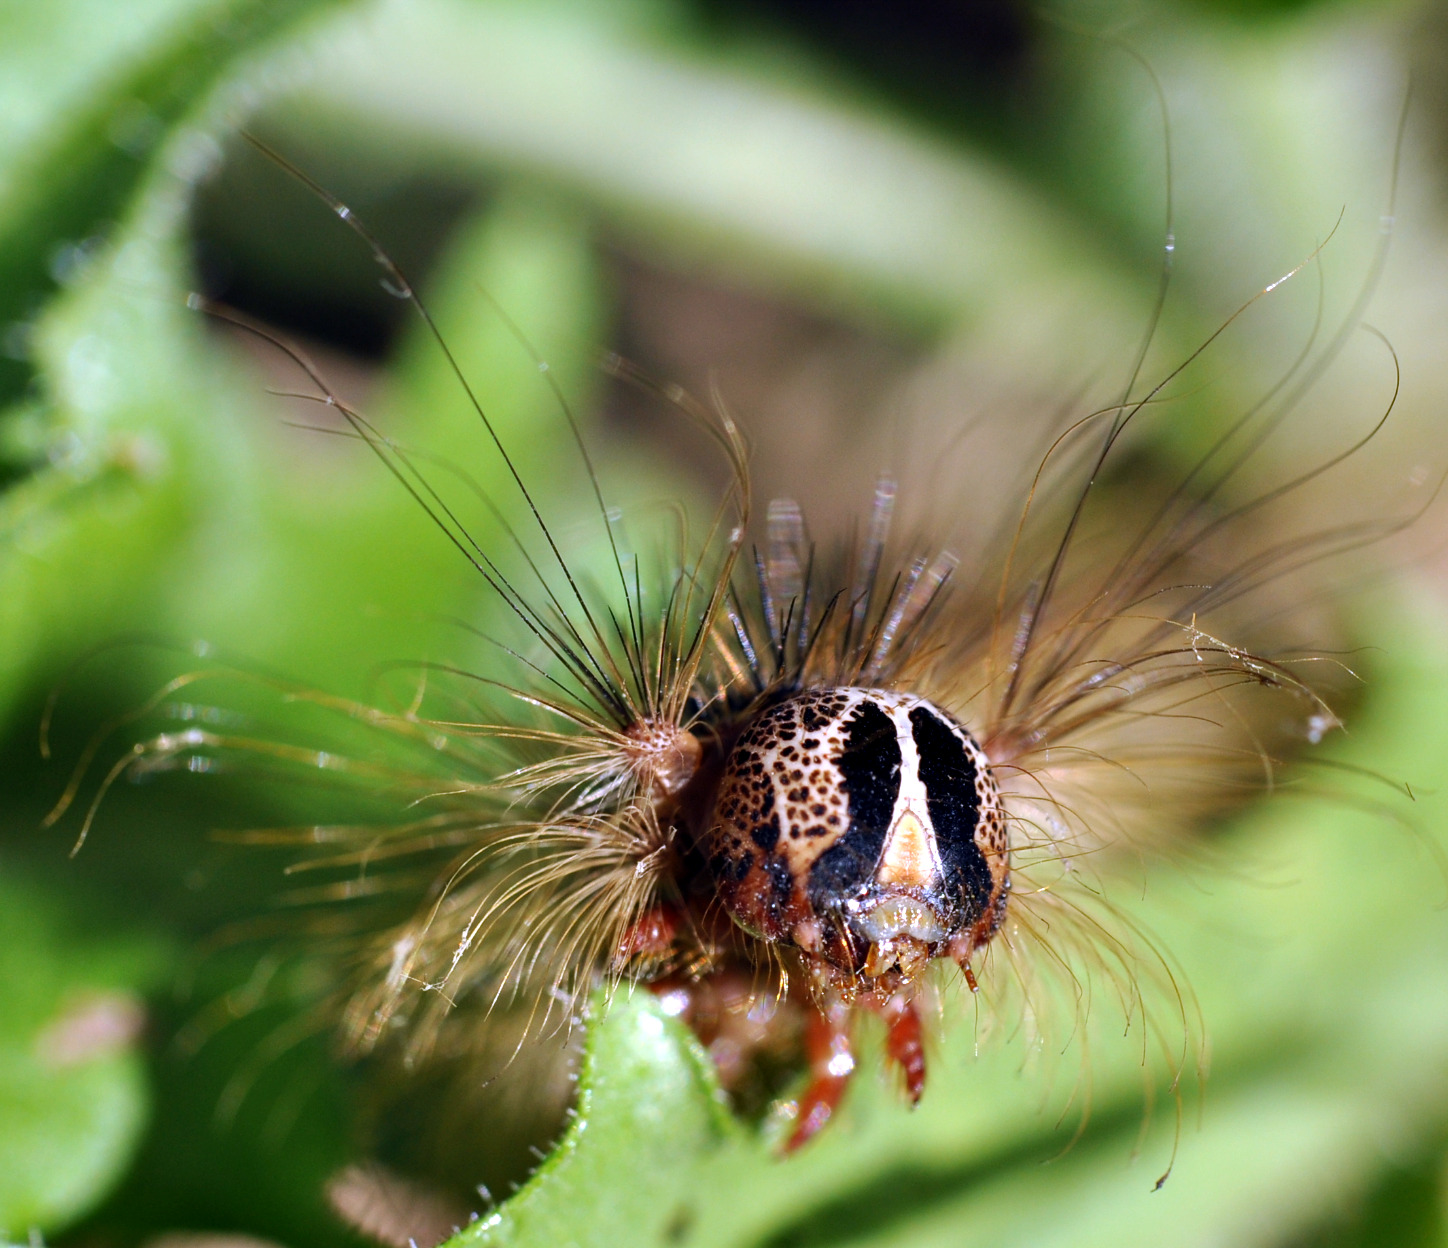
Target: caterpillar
[[785, 780]]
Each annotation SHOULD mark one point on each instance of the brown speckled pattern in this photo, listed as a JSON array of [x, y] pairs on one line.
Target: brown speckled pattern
[[782, 803]]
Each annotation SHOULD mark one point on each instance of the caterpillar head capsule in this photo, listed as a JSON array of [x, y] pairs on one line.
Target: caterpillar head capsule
[[864, 827]]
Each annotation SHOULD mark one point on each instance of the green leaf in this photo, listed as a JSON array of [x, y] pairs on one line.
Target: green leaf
[[631, 1167], [90, 91], [73, 1094], [252, 1111], [92, 94]]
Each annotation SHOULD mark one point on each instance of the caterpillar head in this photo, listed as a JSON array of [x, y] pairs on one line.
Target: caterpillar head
[[865, 827]]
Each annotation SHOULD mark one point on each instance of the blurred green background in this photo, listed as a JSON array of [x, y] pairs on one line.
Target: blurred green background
[[870, 226]]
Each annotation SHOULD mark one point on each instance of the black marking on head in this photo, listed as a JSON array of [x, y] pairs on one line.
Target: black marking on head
[[781, 884], [869, 767], [814, 717], [948, 774], [765, 833], [729, 870]]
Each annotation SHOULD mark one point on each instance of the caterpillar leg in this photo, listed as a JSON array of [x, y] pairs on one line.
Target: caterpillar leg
[[831, 1063], [905, 1043], [651, 935]]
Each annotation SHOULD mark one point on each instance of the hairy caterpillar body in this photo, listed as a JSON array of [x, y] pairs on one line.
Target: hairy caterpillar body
[[784, 780]]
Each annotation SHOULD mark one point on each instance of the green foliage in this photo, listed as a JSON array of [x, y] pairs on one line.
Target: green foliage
[[648, 1108], [73, 1097]]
